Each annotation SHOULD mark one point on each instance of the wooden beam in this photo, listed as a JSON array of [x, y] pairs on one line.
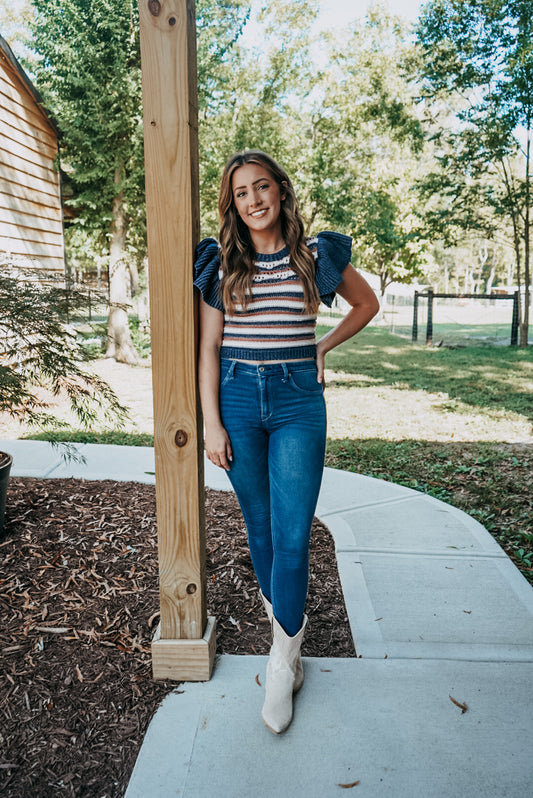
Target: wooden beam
[[181, 649]]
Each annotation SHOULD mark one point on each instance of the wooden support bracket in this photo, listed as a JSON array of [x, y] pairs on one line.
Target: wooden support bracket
[[184, 660]]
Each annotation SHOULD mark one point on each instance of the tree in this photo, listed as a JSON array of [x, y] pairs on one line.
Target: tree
[[479, 55], [367, 149], [261, 99], [89, 71], [39, 350]]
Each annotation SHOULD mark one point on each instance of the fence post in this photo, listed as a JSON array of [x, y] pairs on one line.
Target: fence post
[[429, 325], [514, 321], [414, 335]]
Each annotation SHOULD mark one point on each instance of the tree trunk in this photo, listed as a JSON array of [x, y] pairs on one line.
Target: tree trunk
[[119, 343], [490, 279], [134, 277], [524, 324]]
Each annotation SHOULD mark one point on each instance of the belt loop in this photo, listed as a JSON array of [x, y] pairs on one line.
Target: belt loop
[[285, 372]]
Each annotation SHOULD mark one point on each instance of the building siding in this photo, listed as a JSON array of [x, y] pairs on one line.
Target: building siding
[[31, 224]]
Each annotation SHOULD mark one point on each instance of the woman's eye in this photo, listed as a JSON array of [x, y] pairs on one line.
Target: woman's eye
[[263, 186]]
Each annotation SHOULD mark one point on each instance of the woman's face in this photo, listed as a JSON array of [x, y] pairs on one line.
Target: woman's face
[[257, 197]]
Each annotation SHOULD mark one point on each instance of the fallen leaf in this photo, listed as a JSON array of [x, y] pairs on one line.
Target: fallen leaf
[[463, 707], [325, 670], [350, 785], [257, 679], [78, 674]]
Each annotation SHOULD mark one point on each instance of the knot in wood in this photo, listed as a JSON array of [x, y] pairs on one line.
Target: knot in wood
[[154, 7], [191, 588], [181, 438], [172, 21]]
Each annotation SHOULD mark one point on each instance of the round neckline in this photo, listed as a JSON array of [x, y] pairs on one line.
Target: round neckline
[[267, 257]]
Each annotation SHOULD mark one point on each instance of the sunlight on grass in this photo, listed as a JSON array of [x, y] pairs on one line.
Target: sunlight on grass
[[497, 378]]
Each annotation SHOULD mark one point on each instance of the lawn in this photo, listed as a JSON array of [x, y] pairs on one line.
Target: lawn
[[453, 423]]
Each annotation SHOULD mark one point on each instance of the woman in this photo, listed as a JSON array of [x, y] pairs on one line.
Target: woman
[[261, 377]]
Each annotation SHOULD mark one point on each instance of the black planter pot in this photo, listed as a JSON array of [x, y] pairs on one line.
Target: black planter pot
[[5, 467]]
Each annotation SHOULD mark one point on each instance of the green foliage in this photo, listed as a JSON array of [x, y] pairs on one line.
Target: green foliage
[[264, 101], [141, 340], [368, 148], [39, 350], [89, 72], [479, 56]]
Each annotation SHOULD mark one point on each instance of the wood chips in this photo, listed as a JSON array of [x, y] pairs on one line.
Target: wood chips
[[79, 604]]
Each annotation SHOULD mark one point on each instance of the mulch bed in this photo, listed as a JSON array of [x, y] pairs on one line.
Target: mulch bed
[[79, 604]]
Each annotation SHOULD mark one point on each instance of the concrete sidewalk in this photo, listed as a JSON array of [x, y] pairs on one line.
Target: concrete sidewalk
[[436, 608]]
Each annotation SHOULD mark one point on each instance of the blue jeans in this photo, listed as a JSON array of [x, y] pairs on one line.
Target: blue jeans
[[275, 417]]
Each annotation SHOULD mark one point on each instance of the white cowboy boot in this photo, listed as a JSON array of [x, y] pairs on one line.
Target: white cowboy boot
[[299, 677], [267, 605], [281, 681]]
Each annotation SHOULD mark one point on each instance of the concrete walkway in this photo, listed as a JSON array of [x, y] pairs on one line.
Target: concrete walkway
[[437, 610]]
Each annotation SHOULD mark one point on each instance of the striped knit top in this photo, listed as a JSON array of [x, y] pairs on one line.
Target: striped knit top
[[274, 324]]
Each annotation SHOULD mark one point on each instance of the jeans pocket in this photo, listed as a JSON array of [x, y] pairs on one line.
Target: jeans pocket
[[226, 374], [305, 381]]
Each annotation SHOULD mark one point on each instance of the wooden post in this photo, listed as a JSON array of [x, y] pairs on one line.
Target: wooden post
[[514, 320], [429, 323], [184, 644], [414, 334]]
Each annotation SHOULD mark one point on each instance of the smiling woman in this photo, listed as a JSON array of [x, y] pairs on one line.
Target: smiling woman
[[261, 375], [258, 202]]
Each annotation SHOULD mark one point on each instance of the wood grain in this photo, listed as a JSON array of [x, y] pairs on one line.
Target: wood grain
[[168, 54]]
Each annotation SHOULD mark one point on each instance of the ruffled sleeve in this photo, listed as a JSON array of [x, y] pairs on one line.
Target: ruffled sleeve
[[334, 253], [206, 267]]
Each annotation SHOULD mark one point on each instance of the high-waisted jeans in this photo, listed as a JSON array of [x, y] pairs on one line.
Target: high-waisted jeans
[[275, 417]]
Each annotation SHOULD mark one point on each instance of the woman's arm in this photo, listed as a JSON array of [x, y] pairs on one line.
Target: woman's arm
[[217, 442], [355, 290]]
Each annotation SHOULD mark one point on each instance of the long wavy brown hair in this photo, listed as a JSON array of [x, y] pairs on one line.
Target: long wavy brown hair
[[237, 250]]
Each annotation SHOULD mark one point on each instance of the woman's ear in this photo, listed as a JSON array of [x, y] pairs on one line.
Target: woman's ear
[[284, 186]]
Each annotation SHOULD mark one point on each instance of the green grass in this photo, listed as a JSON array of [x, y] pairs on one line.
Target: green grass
[[494, 377], [459, 334], [109, 437]]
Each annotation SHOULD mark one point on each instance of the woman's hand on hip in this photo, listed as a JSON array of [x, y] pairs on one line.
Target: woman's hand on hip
[[218, 447]]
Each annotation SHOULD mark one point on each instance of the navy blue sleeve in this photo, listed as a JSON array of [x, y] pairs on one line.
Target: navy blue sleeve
[[334, 253], [206, 266]]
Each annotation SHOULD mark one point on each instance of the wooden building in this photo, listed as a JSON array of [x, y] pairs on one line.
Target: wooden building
[[31, 220]]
